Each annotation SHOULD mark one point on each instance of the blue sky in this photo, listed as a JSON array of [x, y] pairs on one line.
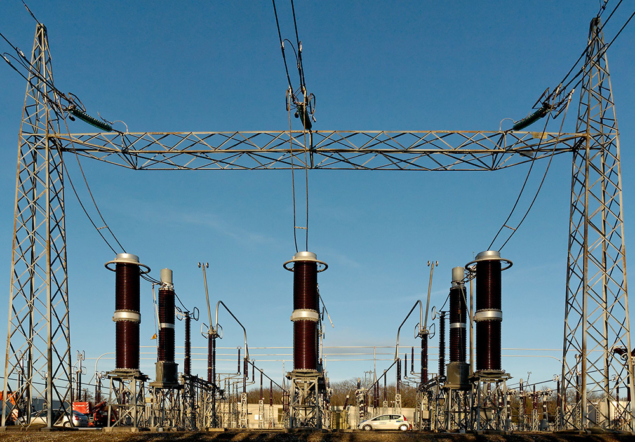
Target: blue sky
[[216, 66]]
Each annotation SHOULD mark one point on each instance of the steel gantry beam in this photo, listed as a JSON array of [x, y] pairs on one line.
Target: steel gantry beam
[[596, 351], [339, 150]]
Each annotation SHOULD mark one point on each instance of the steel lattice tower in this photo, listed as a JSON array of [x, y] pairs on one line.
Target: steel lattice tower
[[597, 328], [38, 342]]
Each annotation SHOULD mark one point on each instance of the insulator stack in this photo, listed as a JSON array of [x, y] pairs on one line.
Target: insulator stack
[[270, 393], [166, 324], [385, 391], [442, 344], [306, 306], [166, 367], [398, 375], [127, 315], [489, 315], [245, 374], [424, 358], [187, 361], [405, 366], [458, 312], [211, 359]]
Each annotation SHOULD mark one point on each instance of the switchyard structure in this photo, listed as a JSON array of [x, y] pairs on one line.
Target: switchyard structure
[[597, 328]]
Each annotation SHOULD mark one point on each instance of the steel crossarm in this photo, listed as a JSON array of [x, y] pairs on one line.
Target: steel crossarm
[[343, 150]]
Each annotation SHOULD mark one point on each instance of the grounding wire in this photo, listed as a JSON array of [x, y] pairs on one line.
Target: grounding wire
[[600, 53], [30, 12], [543, 177], [586, 49]]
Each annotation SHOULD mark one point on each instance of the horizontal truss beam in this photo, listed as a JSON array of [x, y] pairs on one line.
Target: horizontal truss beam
[[338, 150]]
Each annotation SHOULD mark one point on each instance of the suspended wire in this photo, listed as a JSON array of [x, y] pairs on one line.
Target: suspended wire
[[302, 110], [93, 198], [284, 58], [56, 106], [522, 189], [32, 15], [295, 237], [586, 48], [543, 177], [90, 192], [297, 39]]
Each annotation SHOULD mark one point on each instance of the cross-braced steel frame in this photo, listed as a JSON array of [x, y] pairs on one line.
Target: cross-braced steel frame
[[38, 302], [596, 313], [596, 317]]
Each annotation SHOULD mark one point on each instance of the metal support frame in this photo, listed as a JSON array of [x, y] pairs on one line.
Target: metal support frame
[[596, 313], [489, 401], [304, 404], [244, 411], [166, 408], [127, 400], [456, 410], [188, 401], [38, 327]]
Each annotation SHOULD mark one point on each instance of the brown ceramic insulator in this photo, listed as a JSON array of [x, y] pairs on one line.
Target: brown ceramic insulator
[[304, 349], [424, 359], [187, 362], [166, 316], [442, 344], [127, 287], [488, 345], [211, 359], [458, 314], [457, 344], [127, 345], [166, 306], [488, 285], [305, 296], [166, 345]]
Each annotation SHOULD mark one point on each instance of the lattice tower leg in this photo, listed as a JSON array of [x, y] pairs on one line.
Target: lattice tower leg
[[596, 311], [38, 326]]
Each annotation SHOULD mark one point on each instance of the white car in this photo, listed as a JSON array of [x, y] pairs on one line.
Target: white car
[[79, 420], [386, 422]]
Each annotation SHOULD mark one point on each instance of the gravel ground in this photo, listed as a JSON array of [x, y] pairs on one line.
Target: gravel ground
[[300, 436]]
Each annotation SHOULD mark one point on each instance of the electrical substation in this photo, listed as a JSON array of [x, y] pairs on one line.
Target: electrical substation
[[470, 391]]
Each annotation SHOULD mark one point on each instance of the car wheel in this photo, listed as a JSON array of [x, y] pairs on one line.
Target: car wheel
[[367, 428], [404, 428], [67, 424]]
